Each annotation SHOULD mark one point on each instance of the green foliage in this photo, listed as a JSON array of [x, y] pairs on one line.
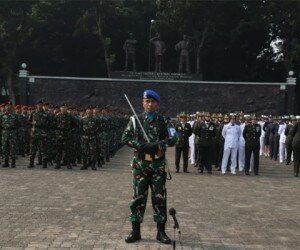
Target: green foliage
[[231, 39]]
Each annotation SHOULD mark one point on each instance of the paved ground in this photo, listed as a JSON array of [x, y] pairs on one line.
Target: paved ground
[[73, 209]]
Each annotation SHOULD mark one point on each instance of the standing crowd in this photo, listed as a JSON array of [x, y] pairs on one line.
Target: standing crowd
[[60, 135], [235, 141]]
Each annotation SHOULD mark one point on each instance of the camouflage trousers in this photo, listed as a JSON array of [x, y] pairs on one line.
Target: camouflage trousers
[[89, 148], [64, 148], [9, 144], [39, 143], [23, 141], [148, 174]]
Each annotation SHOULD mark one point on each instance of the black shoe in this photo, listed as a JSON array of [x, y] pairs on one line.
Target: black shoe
[[185, 171], [83, 168], [161, 234], [5, 164], [30, 165], [57, 166], [200, 171], [13, 164], [107, 158], [135, 234], [94, 168], [246, 172], [256, 173], [287, 163]]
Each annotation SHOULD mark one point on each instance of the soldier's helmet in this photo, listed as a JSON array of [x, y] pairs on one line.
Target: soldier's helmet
[[253, 117], [232, 115], [247, 117], [183, 115]]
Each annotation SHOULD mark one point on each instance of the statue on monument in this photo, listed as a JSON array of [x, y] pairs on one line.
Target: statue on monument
[[130, 49], [185, 48], [160, 49]]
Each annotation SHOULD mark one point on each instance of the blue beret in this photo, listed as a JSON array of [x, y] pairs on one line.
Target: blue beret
[[151, 94]]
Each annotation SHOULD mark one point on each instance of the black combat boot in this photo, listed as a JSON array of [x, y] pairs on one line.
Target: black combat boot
[[161, 234], [31, 163], [94, 165], [13, 163], [39, 161], [84, 167], [5, 164], [135, 234], [45, 163]]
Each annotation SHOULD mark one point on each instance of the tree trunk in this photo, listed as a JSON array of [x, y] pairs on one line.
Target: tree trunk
[[10, 87], [101, 38]]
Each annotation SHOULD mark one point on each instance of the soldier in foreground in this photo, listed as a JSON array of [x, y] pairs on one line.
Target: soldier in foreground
[[148, 166]]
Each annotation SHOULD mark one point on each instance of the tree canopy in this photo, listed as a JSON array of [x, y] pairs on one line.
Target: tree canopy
[[231, 39]]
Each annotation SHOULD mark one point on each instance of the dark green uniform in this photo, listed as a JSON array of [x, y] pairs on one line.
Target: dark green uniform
[[10, 125], [252, 134], [296, 148], [89, 140], [64, 123], [205, 133], [40, 121]]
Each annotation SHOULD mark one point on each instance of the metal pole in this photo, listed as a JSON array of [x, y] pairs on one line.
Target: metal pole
[[149, 52]]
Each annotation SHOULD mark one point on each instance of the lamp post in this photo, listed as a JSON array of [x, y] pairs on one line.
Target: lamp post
[[23, 75], [290, 80], [149, 54]]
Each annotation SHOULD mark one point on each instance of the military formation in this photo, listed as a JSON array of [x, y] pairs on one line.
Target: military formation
[[236, 141], [60, 135]]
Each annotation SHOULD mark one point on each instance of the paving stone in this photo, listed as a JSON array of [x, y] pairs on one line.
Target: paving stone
[[49, 209]]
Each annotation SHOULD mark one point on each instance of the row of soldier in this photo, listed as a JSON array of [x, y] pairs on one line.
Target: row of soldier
[[60, 135], [236, 141]]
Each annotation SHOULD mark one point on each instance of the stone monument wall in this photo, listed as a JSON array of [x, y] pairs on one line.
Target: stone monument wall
[[175, 96]]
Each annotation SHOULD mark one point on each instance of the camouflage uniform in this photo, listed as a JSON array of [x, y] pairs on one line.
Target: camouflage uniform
[[148, 172], [10, 125], [89, 140], [22, 133], [41, 122], [64, 124]]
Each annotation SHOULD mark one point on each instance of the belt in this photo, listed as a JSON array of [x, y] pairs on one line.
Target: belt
[[159, 155]]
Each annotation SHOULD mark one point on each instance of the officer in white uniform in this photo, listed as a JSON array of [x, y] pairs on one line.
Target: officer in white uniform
[[231, 133], [262, 137], [192, 141], [281, 130]]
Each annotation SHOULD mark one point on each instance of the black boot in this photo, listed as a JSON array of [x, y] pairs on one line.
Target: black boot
[[13, 163], [161, 234], [45, 163], [94, 165], [31, 163], [39, 161], [57, 166], [84, 167], [107, 158], [135, 234], [5, 164]]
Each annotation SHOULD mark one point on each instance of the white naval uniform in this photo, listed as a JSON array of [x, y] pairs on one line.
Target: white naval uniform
[[192, 145], [282, 149], [231, 133], [262, 137]]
